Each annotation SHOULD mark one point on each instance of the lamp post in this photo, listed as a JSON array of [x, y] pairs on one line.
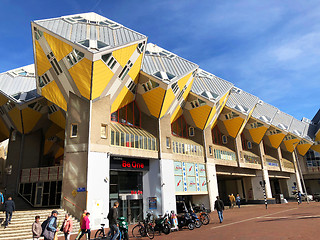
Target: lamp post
[[8, 171], [263, 184]]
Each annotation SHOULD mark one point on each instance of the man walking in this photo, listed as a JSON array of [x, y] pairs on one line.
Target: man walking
[[51, 227], [113, 216], [219, 206], [9, 208], [232, 200]]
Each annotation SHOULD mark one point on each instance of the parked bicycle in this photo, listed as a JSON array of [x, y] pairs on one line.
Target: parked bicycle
[[144, 228], [203, 214], [123, 231]]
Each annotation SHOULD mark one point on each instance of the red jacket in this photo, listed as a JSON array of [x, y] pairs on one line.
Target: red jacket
[[85, 223], [67, 225]]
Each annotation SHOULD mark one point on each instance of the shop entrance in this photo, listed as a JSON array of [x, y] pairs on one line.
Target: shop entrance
[[126, 188], [228, 185], [275, 186]]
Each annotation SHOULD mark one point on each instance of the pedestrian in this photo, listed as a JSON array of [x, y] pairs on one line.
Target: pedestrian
[[232, 200], [67, 227], [238, 200], [85, 228], [81, 220], [113, 225], [36, 228], [9, 208], [1, 199], [50, 228], [299, 197], [219, 206]]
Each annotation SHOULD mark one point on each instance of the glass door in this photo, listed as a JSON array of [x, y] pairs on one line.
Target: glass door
[[38, 195]]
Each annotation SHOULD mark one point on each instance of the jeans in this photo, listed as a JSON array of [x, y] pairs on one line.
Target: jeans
[[114, 231], [220, 215], [84, 231], [238, 203], [67, 236], [8, 218]]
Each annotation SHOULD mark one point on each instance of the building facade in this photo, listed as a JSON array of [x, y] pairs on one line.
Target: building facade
[[105, 116]]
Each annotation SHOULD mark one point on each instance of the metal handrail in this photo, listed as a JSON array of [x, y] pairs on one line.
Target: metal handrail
[[72, 203]]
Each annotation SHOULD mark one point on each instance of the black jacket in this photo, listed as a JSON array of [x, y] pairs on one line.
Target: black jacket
[[9, 206], [218, 205], [113, 216]]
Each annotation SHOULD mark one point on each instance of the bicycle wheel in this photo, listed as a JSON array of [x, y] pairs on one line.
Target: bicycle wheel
[[137, 231], [99, 234], [150, 232], [205, 219]]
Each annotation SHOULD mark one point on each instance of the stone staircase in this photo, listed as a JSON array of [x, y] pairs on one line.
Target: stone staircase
[[20, 227]]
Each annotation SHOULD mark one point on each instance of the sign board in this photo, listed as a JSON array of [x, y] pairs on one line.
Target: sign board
[[129, 164], [152, 203], [81, 189]]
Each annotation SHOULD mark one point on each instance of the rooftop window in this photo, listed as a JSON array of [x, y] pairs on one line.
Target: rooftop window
[[210, 95], [164, 75]]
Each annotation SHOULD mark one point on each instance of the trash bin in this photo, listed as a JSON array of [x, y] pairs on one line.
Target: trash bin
[[281, 198], [278, 198]]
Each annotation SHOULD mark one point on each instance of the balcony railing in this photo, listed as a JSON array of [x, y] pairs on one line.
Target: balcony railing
[[186, 147], [224, 155], [41, 174], [287, 164], [272, 162], [251, 158]]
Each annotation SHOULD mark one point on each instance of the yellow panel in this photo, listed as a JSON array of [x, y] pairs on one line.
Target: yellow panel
[[176, 114], [212, 113], [134, 71], [3, 100], [52, 131], [153, 100], [3, 129], [61, 135], [124, 97], [168, 99], [276, 139], [200, 115], [233, 126], [186, 93], [123, 55], [16, 118], [182, 82], [53, 94], [291, 144], [81, 75], [42, 61], [315, 148], [258, 133], [59, 48], [30, 118], [317, 135], [58, 118], [100, 78], [47, 146], [222, 103], [59, 153], [303, 148]]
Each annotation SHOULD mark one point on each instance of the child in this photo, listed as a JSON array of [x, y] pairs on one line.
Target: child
[[36, 228]]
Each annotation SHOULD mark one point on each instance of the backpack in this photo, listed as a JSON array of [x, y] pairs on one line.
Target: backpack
[[44, 225]]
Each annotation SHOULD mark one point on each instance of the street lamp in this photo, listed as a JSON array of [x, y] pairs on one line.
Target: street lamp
[[8, 171], [263, 184]]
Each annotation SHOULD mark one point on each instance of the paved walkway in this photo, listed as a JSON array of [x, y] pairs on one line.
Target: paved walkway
[[285, 221]]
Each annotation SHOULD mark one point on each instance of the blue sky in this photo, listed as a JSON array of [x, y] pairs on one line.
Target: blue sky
[[268, 48]]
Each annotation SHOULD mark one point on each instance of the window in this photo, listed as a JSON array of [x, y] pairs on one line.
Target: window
[[104, 131], [128, 115], [2, 112], [54, 63], [125, 70], [52, 109], [109, 60], [74, 57], [210, 150], [175, 88], [140, 47], [224, 139], [74, 130], [149, 85], [44, 80], [249, 144], [168, 142], [231, 115], [132, 87], [180, 127], [256, 125], [37, 33], [191, 131], [216, 136]]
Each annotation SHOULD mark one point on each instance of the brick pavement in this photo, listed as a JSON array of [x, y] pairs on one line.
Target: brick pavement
[[285, 221]]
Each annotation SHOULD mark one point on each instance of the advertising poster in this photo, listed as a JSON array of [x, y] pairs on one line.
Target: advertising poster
[[184, 176], [152, 203], [197, 176], [190, 169], [177, 168], [192, 185], [203, 184], [202, 170], [179, 183]]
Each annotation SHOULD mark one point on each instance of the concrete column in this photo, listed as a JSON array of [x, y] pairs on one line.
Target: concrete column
[[212, 183], [279, 157], [297, 173], [265, 173], [238, 144]]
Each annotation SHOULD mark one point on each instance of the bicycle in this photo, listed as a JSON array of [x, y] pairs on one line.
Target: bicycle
[[100, 234], [144, 229]]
